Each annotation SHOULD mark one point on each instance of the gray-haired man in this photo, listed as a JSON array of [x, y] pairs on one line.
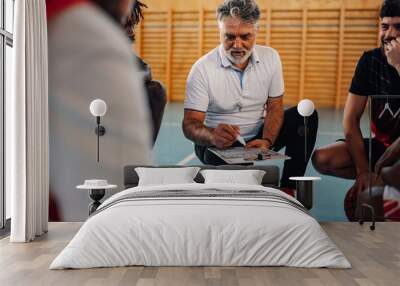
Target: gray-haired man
[[237, 88]]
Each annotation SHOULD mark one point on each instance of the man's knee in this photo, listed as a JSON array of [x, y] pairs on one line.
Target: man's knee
[[313, 119], [199, 151], [211, 159], [295, 120], [313, 125], [207, 157], [321, 160]]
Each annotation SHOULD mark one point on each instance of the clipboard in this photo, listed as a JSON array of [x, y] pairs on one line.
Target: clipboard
[[241, 155]]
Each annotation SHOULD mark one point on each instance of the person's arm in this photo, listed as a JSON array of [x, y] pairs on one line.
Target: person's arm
[[274, 118], [196, 106], [194, 129], [390, 175], [391, 156], [353, 111], [272, 124]]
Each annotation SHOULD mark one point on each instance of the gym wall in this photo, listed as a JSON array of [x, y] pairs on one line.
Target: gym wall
[[320, 42]]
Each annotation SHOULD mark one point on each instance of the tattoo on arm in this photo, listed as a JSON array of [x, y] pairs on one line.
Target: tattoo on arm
[[274, 119], [197, 132]]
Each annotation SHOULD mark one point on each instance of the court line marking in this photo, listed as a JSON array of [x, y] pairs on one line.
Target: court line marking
[[187, 159], [331, 133], [172, 124]]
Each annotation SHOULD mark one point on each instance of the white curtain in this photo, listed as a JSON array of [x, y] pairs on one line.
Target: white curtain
[[27, 124]]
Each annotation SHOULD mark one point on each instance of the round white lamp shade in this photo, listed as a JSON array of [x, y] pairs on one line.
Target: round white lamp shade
[[305, 107], [98, 107]]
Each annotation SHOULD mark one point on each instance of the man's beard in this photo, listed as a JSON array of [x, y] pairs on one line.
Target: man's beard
[[238, 61]]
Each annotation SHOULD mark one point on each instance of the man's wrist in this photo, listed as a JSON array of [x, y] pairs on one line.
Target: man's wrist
[[362, 171], [269, 141], [211, 138]]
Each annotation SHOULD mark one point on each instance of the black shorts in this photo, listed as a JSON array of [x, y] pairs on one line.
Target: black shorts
[[377, 149]]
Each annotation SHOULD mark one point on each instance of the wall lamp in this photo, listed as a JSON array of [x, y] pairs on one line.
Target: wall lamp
[[98, 108], [306, 109]]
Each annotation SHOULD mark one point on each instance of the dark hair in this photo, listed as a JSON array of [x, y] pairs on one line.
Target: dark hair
[[246, 10], [134, 19], [390, 8]]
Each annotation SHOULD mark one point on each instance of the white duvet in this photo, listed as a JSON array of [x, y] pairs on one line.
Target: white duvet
[[200, 231]]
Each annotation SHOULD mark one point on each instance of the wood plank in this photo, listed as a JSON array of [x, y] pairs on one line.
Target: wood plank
[[201, 33], [268, 27], [303, 55], [139, 38], [375, 258], [169, 53], [340, 58]]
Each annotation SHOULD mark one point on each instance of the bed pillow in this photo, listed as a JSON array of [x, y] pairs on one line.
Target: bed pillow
[[248, 177], [166, 176]]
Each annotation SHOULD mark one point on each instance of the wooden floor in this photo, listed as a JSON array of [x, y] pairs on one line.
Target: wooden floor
[[375, 257]]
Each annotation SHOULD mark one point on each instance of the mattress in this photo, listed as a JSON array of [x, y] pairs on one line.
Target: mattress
[[201, 225]]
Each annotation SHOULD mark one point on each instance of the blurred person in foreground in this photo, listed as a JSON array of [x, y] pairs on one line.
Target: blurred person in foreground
[[155, 91], [90, 58], [378, 76]]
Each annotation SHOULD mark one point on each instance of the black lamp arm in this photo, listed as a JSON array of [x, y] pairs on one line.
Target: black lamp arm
[[100, 131]]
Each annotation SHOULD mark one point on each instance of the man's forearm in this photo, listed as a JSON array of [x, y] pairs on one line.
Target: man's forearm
[[390, 175], [396, 148], [273, 123], [198, 133], [355, 145]]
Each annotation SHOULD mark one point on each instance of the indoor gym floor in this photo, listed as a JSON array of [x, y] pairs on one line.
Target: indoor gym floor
[[173, 148]]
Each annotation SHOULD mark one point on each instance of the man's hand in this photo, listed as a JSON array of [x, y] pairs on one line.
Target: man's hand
[[259, 143], [392, 52], [225, 135], [362, 181], [391, 156]]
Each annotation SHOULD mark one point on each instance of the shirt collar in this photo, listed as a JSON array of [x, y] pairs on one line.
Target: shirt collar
[[225, 62]]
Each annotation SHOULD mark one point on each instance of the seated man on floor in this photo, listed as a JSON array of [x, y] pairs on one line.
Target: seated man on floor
[[237, 88], [377, 75]]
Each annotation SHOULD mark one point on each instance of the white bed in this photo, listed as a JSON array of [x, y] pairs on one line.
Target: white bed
[[246, 225]]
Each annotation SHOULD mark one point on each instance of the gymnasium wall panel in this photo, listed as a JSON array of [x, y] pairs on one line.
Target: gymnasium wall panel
[[319, 45]]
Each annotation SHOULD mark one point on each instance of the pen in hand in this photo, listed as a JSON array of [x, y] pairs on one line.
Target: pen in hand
[[241, 140]]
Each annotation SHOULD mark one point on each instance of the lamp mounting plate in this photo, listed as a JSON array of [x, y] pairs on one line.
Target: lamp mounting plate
[[100, 130]]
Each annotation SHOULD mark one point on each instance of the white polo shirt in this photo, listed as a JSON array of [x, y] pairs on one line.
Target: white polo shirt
[[228, 95]]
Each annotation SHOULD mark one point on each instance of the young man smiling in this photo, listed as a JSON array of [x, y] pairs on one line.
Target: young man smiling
[[377, 75], [237, 89]]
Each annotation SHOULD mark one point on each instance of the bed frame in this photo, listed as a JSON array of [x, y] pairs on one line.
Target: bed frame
[[270, 179]]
